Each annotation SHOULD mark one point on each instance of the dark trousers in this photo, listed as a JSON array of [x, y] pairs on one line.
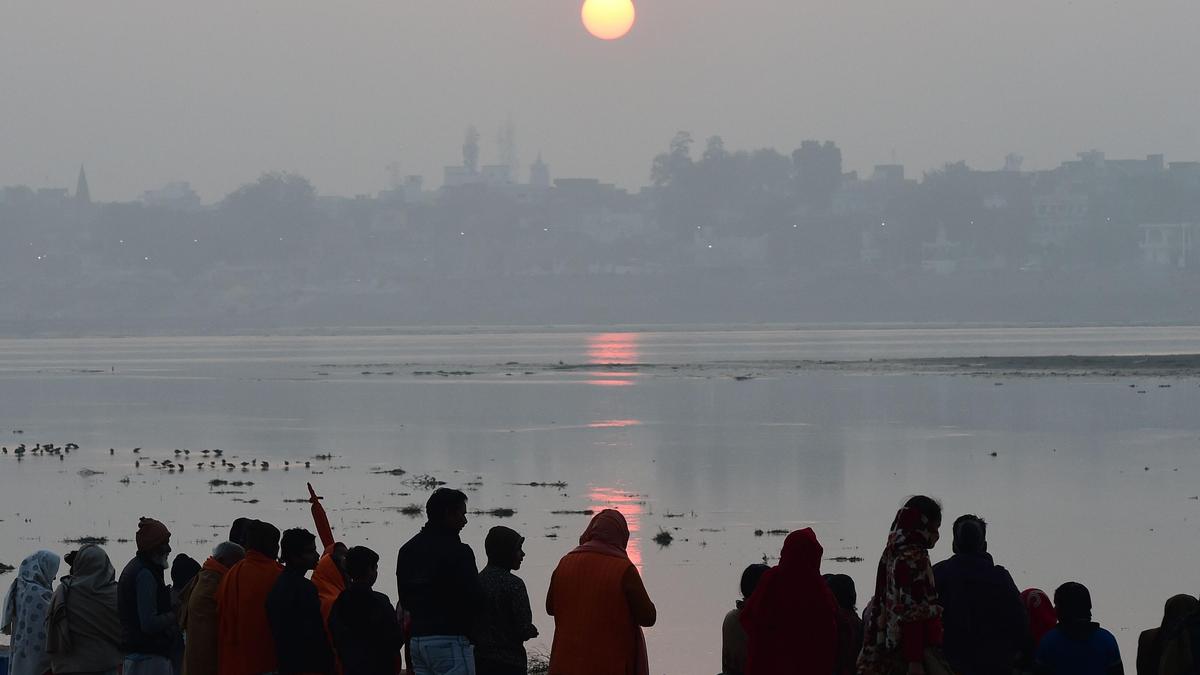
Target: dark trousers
[[483, 667]]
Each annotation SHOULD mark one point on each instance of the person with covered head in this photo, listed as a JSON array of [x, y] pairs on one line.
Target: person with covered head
[[506, 620], [903, 620], [791, 619], [84, 629], [599, 605], [150, 629], [26, 606], [366, 633], [1077, 645], [294, 610], [985, 623], [198, 610], [849, 624], [733, 636], [439, 586], [1151, 643], [245, 645]]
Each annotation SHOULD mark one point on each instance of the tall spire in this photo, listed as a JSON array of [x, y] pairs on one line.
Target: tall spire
[[82, 194]]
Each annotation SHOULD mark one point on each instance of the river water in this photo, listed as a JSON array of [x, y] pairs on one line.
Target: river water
[[1084, 478]]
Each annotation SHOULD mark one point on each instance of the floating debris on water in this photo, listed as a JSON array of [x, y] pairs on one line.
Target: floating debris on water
[[83, 541], [586, 512], [425, 481], [664, 538], [556, 484], [846, 559], [496, 513], [412, 510], [88, 473], [389, 472]]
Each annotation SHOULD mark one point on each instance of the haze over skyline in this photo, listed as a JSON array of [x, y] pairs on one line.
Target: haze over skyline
[[217, 92]]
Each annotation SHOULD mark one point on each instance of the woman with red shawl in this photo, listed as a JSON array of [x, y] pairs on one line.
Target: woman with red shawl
[[1042, 618], [790, 620], [599, 605], [904, 618]]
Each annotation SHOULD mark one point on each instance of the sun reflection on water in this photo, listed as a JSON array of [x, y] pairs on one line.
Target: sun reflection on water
[[631, 506], [612, 349]]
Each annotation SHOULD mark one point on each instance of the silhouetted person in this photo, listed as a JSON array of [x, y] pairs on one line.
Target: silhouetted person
[[183, 569], [244, 633], [198, 610], [294, 610], [439, 587], [1041, 618], [1077, 645], [850, 626], [239, 531], [984, 620], [599, 604], [23, 616], [790, 620], [149, 628], [1152, 643], [733, 636], [366, 634], [84, 629], [903, 619], [506, 620]]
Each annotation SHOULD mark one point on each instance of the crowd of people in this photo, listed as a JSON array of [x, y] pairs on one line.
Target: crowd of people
[[267, 602]]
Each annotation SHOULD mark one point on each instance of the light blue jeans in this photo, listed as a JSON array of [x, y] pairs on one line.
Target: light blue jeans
[[442, 655]]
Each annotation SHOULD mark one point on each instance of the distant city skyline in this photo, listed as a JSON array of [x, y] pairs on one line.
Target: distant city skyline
[[146, 93]]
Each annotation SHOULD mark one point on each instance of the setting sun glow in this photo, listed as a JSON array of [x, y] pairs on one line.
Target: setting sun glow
[[608, 19]]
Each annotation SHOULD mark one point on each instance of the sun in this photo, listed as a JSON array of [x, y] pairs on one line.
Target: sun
[[608, 19]]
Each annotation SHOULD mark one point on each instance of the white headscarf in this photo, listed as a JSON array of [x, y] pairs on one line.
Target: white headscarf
[[25, 610]]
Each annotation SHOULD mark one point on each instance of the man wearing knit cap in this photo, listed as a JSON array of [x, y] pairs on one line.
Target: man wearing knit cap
[[149, 630]]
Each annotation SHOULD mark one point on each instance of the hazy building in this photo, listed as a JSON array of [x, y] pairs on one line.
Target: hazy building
[[539, 174], [1169, 244], [178, 196]]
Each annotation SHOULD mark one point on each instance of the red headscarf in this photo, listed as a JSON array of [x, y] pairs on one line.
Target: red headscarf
[[1040, 609], [608, 533], [904, 590], [790, 620]]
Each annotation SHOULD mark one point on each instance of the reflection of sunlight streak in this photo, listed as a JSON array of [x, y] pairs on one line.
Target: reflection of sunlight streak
[[630, 506], [612, 349], [613, 424]]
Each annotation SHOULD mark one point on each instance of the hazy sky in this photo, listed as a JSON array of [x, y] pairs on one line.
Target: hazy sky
[[215, 91]]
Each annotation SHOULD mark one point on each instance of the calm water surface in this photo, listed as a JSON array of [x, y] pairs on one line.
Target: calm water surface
[[1091, 480]]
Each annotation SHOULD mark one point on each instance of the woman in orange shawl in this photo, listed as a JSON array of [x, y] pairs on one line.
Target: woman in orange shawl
[[599, 605]]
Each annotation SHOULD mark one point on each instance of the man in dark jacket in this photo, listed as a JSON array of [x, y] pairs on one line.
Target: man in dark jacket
[[363, 622], [984, 620], [294, 610], [439, 586], [149, 630]]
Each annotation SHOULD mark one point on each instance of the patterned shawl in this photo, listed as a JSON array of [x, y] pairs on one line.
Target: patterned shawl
[[904, 591], [25, 609]]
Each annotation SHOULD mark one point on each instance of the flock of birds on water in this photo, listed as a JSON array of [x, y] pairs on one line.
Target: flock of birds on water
[[210, 459]]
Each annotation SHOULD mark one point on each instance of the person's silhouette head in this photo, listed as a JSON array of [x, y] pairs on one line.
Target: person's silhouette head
[[504, 548], [262, 537], [970, 534], [842, 587], [298, 549], [750, 578], [1073, 602], [362, 565], [447, 509]]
